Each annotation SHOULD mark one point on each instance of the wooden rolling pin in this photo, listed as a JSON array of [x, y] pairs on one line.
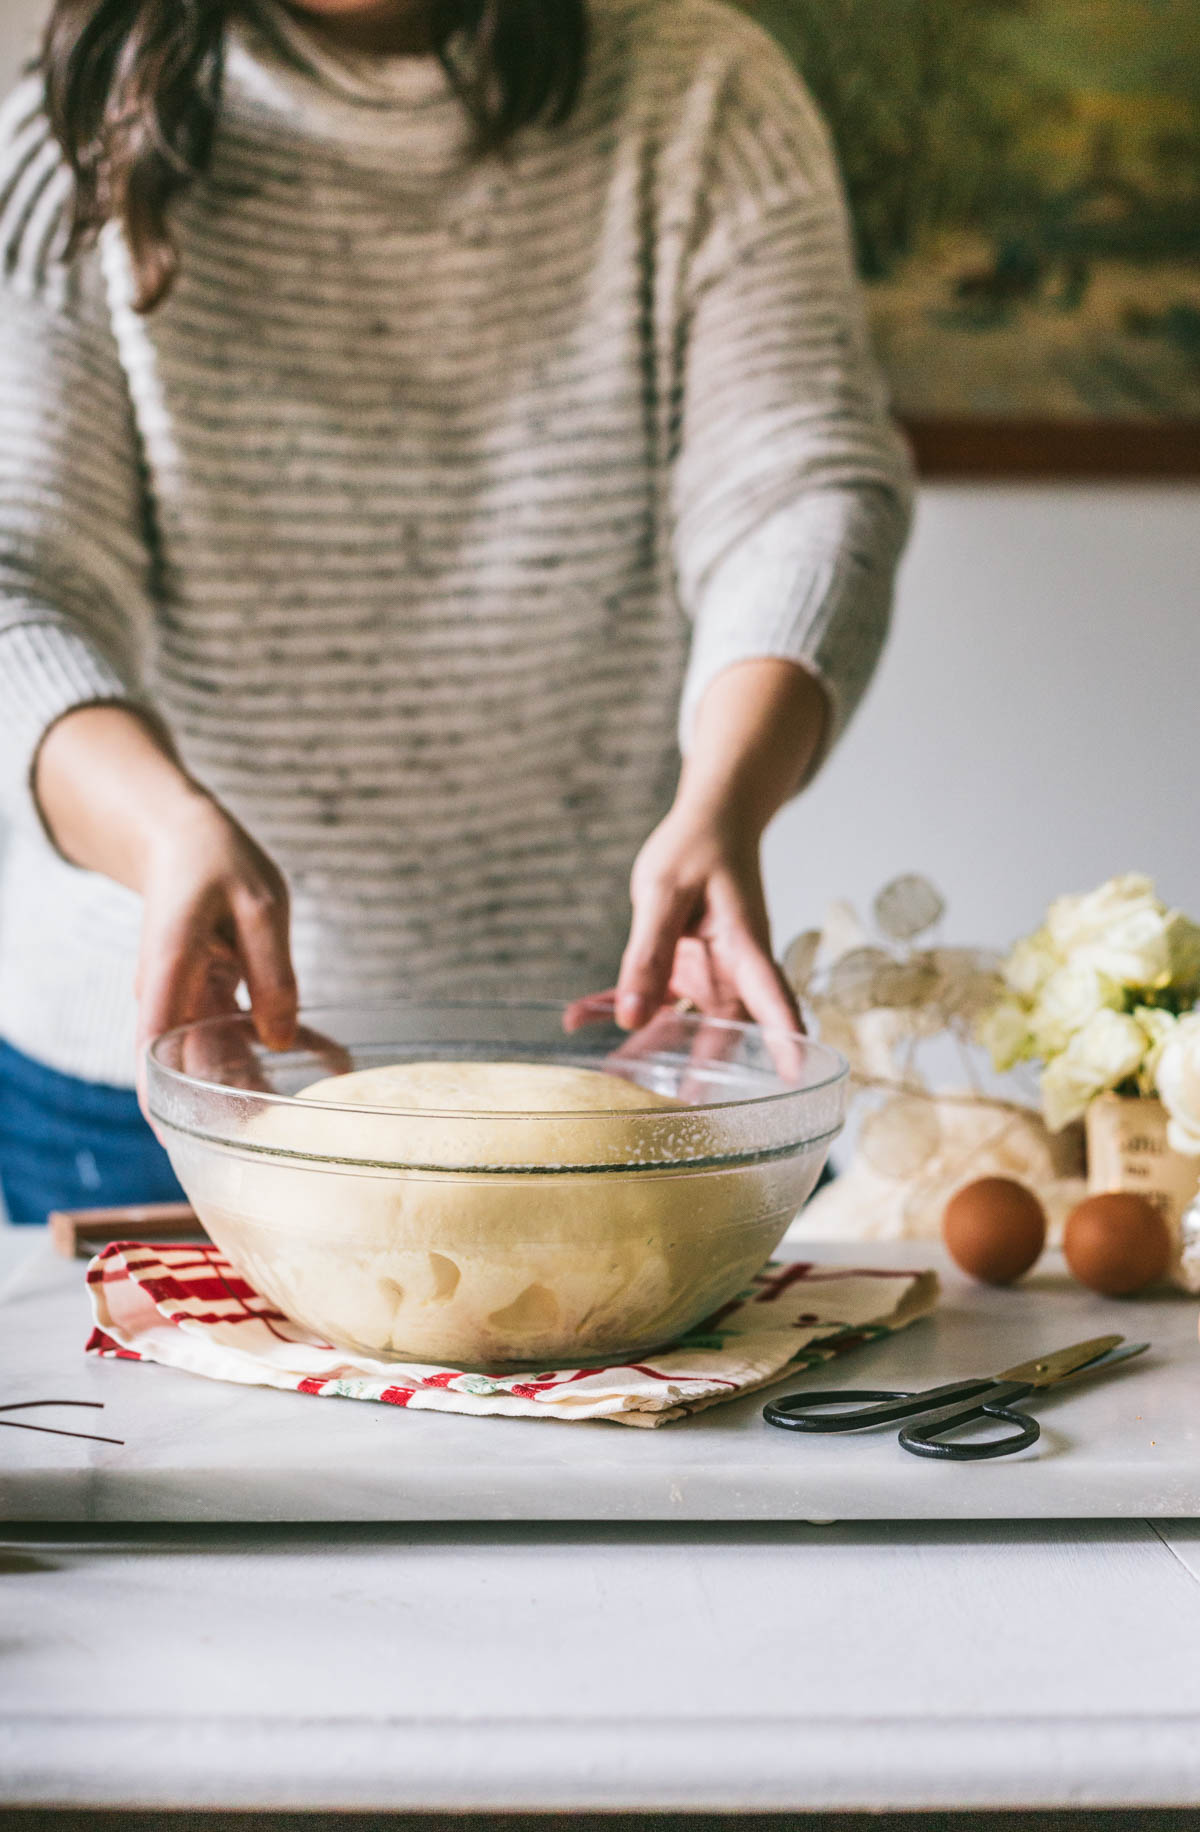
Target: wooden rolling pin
[[80, 1233]]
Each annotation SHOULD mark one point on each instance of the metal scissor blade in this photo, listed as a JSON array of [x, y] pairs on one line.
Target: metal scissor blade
[[1048, 1369], [1126, 1352]]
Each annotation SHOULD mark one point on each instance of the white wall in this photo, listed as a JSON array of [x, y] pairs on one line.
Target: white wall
[[1035, 724]]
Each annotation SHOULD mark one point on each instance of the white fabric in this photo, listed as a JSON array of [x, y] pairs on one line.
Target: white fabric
[[187, 1307]]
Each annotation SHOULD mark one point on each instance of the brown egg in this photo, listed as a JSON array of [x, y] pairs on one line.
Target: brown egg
[[994, 1229], [1117, 1244]]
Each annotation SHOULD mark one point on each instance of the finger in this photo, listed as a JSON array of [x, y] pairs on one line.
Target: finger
[[335, 1059], [713, 1041], [741, 936], [740, 941], [697, 978], [660, 916], [222, 1048], [665, 1034], [595, 1008], [695, 988], [262, 929], [226, 1053], [172, 972], [689, 1041], [171, 969], [770, 1003], [665, 1031], [763, 990]]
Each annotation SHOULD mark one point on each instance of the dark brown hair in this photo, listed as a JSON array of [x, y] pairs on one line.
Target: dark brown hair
[[133, 91]]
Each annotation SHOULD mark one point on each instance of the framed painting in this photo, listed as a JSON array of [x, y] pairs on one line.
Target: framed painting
[[1024, 177]]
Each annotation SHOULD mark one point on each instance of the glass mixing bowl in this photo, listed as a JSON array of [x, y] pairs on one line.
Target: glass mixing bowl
[[497, 1239]]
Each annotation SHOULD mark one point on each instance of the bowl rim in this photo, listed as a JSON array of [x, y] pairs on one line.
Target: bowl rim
[[268, 1097]]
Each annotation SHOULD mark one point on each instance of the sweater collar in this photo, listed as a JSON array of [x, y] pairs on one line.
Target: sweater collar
[[379, 82], [396, 120]]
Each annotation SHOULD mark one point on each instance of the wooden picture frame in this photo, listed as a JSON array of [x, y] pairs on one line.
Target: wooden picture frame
[[1048, 450]]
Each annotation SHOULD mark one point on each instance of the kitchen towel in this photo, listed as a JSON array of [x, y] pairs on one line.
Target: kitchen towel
[[187, 1307]]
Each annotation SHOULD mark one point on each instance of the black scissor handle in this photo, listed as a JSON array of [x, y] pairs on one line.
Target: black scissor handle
[[860, 1409], [932, 1439]]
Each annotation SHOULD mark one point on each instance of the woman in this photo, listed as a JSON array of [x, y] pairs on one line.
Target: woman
[[408, 409]]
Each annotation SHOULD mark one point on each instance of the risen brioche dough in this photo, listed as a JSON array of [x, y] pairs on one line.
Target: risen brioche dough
[[486, 1268], [484, 1087], [485, 1094]]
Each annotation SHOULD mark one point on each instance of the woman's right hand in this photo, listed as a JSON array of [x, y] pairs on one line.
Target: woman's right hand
[[116, 800], [215, 916]]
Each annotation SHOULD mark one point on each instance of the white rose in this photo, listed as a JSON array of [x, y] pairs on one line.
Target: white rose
[[1183, 948], [1159, 1027], [1004, 1033], [1133, 951], [1108, 1050], [1178, 1077], [1030, 965], [1073, 921], [1112, 1045], [1069, 1000]]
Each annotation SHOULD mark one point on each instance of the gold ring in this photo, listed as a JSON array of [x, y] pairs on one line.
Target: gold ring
[[686, 1008]]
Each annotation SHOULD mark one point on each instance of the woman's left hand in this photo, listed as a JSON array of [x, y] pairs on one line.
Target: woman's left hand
[[699, 931]]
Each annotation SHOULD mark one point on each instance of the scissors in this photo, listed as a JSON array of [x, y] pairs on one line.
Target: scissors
[[953, 1406]]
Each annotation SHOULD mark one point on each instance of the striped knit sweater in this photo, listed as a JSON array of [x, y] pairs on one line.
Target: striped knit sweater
[[433, 498]]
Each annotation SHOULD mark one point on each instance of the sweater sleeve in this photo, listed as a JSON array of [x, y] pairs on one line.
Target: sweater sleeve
[[74, 562], [791, 486]]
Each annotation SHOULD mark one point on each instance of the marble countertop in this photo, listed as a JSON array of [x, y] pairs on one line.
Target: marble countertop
[[1126, 1445]]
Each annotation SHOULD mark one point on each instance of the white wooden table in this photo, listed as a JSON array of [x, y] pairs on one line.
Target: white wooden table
[[570, 1667]]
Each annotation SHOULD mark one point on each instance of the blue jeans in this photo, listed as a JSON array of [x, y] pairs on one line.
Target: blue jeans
[[71, 1144]]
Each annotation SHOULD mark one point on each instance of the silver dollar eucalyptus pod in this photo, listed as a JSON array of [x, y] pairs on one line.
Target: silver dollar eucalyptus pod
[[854, 979], [970, 981], [907, 984], [907, 907], [799, 959]]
